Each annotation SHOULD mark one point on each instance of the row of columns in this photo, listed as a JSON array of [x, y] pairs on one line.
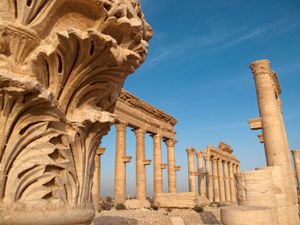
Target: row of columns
[[218, 182], [121, 160]]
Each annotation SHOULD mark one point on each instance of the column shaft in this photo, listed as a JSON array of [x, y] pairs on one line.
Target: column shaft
[[171, 166], [120, 165], [231, 182], [191, 169], [140, 165], [157, 170], [221, 180], [209, 184], [227, 186], [215, 180], [201, 188], [96, 184]]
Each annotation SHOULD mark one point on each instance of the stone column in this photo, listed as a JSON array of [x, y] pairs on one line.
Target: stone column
[[215, 180], [226, 179], [157, 167], [209, 183], [120, 164], [140, 164], [96, 178], [191, 169], [221, 180], [296, 156], [231, 183], [275, 141], [201, 188], [171, 166]]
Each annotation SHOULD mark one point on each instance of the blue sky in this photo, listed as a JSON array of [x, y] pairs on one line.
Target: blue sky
[[198, 71]]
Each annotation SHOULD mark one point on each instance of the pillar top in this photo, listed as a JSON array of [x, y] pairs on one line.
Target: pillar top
[[121, 126], [260, 67], [139, 131], [100, 151], [170, 142], [157, 136], [190, 150], [199, 154], [214, 159]]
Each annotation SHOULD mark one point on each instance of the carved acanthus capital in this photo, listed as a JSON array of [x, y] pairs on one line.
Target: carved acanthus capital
[[170, 142], [190, 151], [199, 154]]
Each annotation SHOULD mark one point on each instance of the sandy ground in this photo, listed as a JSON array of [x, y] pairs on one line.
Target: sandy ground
[[210, 216]]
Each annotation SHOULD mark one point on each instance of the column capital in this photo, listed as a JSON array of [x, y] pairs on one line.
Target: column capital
[[214, 159], [220, 160], [170, 142], [139, 131], [260, 67], [157, 137], [100, 151], [190, 150], [207, 156], [199, 154], [121, 126]]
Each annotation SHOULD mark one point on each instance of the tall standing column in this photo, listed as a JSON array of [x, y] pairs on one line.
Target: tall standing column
[[201, 188], [140, 164], [191, 169], [226, 178], [296, 156], [215, 180], [209, 184], [157, 169], [275, 141], [120, 165], [96, 178], [221, 180], [171, 165], [231, 182]]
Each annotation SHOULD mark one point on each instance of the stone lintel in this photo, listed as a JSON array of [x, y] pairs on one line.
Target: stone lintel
[[225, 147], [127, 159], [147, 162], [261, 138], [100, 151], [177, 168], [163, 166], [255, 124]]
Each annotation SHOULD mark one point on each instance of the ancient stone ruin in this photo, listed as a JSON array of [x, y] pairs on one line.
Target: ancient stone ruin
[[267, 195], [62, 67]]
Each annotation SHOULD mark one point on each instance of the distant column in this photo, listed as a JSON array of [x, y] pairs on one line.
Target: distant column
[[191, 169], [296, 156], [96, 178], [171, 165], [221, 180], [215, 180], [231, 183], [157, 170], [201, 188], [226, 178], [140, 164], [120, 164], [209, 184]]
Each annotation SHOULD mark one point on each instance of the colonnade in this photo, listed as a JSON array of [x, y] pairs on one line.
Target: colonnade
[[217, 182], [141, 162]]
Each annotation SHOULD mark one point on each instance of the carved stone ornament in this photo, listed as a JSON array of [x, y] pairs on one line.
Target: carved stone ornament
[[62, 67]]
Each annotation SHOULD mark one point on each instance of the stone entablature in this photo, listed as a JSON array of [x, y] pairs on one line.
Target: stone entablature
[[138, 113], [221, 154]]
